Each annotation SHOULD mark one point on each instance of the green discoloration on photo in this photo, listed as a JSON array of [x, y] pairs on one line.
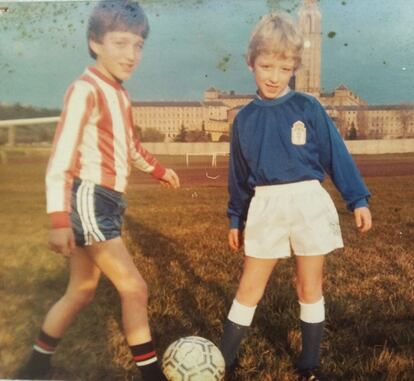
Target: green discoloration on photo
[[283, 5], [35, 13], [224, 63]]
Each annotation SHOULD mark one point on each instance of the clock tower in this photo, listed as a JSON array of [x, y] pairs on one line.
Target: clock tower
[[308, 76]]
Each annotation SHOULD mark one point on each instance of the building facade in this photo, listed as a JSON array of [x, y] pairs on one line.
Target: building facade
[[354, 118], [170, 118]]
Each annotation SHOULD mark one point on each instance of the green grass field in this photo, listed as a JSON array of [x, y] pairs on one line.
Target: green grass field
[[178, 241]]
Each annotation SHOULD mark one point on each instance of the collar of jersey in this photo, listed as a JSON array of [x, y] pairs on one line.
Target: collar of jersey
[[117, 85], [272, 102]]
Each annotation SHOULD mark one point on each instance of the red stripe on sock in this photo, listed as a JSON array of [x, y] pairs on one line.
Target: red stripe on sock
[[44, 346], [146, 356]]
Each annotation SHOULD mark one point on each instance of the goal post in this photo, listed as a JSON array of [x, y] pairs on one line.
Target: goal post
[[213, 155]]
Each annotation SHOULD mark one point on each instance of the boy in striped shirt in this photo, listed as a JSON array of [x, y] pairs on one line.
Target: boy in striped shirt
[[93, 149]]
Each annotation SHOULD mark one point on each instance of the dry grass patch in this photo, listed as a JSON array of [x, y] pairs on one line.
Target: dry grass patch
[[178, 241]]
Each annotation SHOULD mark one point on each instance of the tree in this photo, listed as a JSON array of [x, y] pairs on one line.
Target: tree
[[340, 120], [182, 135], [198, 136], [152, 135], [352, 133]]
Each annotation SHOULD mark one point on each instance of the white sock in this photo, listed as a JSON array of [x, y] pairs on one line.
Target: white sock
[[313, 313], [241, 314]]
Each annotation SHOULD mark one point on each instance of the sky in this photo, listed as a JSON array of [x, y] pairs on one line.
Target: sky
[[368, 45]]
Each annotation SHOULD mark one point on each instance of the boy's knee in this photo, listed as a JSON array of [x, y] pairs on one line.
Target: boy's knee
[[309, 292], [135, 288]]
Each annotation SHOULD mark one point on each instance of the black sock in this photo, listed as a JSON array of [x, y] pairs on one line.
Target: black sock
[[233, 335], [311, 341], [146, 360], [38, 365]]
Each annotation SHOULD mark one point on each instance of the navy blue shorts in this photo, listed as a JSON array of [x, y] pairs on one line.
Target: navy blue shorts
[[97, 212]]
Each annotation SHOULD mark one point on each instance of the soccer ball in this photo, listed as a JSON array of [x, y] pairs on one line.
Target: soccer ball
[[193, 358]]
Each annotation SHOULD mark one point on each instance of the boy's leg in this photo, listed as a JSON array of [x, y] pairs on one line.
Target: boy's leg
[[309, 273], [252, 285], [84, 278], [113, 259]]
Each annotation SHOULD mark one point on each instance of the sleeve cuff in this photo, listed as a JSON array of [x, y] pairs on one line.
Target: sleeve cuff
[[60, 220], [360, 204], [236, 223], [159, 171]]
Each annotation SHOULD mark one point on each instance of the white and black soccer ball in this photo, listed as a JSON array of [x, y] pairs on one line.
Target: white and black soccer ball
[[193, 358]]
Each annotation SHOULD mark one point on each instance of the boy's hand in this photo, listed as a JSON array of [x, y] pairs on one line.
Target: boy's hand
[[363, 219], [235, 239], [170, 179], [62, 241]]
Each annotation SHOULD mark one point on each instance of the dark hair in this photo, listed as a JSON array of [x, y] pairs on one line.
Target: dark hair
[[116, 15]]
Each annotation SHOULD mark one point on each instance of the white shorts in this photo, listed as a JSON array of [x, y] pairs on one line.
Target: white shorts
[[299, 215]]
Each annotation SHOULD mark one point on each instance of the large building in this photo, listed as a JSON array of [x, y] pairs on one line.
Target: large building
[[352, 115], [170, 118]]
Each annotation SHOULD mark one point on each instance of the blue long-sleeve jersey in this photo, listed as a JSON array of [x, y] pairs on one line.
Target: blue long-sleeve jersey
[[286, 140]]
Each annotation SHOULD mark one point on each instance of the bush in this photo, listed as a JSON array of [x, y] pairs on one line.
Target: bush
[[151, 135]]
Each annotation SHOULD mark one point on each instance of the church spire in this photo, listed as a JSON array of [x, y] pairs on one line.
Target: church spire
[[308, 77]]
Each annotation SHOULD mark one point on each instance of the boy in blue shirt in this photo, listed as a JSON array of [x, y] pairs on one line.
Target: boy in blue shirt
[[282, 144]]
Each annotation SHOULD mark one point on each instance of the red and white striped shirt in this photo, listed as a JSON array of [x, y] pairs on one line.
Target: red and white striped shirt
[[94, 141]]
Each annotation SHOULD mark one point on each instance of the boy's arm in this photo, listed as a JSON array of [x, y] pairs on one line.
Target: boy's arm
[[338, 162], [235, 239], [78, 103], [239, 190], [145, 162]]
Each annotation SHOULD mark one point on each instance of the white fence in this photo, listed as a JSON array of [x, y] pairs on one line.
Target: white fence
[[186, 148], [354, 146], [11, 125], [372, 147], [385, 146]]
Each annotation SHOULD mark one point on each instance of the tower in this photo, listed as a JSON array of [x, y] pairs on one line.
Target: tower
[[308, 77]]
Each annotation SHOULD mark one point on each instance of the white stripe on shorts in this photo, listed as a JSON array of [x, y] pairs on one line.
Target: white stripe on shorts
[[91, 212], [87, 212], [80, 212], [84, 211]]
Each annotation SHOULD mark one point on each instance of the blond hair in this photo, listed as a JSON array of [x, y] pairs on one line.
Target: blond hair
[[278, 34]]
